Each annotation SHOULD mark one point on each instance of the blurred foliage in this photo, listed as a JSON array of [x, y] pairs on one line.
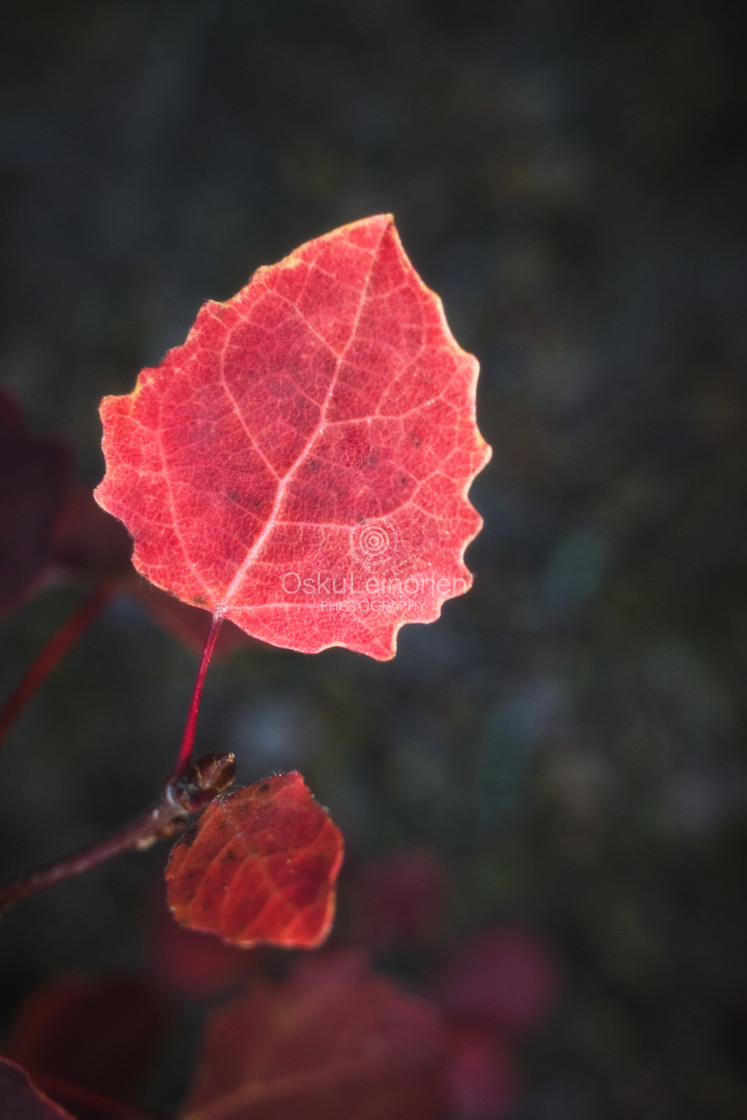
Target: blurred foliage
[[570, 177]]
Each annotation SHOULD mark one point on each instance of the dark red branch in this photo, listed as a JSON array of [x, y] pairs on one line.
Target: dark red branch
[[167, 818], [46, 661], [188, 789]]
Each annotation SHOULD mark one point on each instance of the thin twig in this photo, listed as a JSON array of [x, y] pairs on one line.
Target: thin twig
[[48, 659], [170, 816], [187, 790]]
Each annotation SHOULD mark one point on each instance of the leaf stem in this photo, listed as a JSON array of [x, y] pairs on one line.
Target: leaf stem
[[50, 656], [184, 757]]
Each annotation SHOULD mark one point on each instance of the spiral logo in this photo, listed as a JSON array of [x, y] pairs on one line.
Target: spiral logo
[[374, 540]]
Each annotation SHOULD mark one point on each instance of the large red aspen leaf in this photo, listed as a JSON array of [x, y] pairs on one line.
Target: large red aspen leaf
[[331, 1042], [259, 865], [301, 464]]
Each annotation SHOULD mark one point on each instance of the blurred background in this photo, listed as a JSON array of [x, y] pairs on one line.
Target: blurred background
[[568, 740]]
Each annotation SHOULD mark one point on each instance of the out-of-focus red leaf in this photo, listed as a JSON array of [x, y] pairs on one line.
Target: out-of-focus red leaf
[[99, 1033], [399, 901], [88, 543], [507, 973], [21, 1100], [301, 464], [481, 1070], [33, 483], [260, 865], [332, 1042], [197, 964]]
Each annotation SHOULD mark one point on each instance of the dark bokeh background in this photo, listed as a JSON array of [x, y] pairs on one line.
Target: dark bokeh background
[[570, 177]]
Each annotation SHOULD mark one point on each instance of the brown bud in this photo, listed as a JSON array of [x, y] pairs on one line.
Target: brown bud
[[209, 776], [213, 772]]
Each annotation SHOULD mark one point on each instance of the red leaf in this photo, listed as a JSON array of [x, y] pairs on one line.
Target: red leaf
[[506, 973], [481, 1071], [399, 901], [97, 1033], [88, 543], [195, 963], [259, 866], [332, 1042], [300, 465], [21, 1100], [33, 483]]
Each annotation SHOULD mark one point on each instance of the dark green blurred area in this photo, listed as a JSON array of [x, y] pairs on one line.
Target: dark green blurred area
[[570, 177]]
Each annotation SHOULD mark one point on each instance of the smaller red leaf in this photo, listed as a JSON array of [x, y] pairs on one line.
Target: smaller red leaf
[[259, 866], [21, 1100]]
